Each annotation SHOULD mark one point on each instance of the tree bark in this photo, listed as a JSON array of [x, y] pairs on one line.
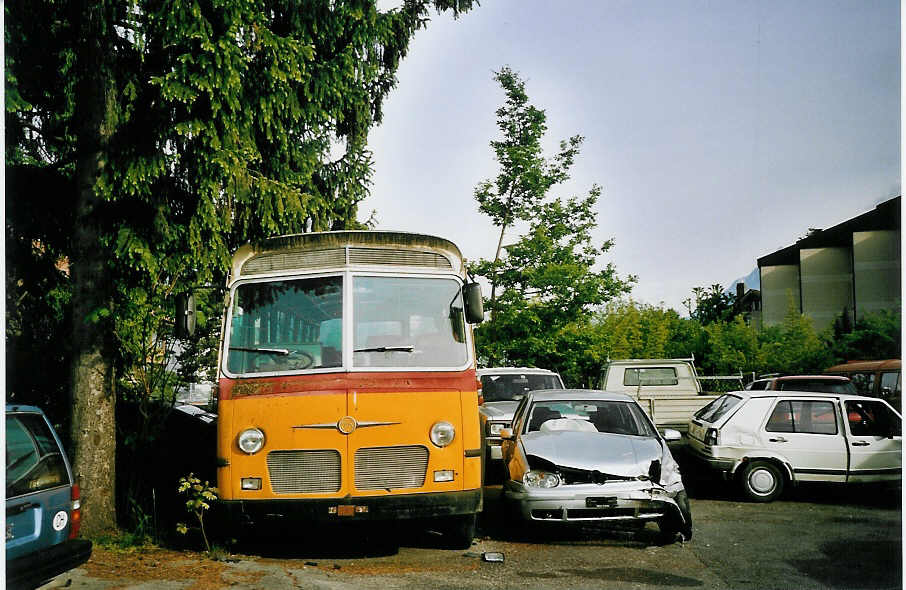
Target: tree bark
[[93, 392]]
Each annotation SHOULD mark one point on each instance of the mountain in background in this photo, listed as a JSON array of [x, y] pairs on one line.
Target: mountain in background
[[752, 281]]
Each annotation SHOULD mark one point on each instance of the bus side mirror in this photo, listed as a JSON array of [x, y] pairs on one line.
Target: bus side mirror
[[185, 315], [471, 295]]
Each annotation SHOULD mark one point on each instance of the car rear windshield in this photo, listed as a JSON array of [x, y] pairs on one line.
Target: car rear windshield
[[718, 408], [818, 385], [33, 459], [511, 387]]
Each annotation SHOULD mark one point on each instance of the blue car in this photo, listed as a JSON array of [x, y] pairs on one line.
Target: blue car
[[42, 502]]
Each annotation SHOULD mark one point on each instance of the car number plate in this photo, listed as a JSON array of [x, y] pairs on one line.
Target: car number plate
[[600, 502]]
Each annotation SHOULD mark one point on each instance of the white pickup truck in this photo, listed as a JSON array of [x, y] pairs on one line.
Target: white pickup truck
[[668, 389]]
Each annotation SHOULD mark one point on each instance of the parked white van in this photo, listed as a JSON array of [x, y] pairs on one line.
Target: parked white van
[[765, 440]]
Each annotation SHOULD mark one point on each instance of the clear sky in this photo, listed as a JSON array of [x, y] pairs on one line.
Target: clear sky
[[719, 130]]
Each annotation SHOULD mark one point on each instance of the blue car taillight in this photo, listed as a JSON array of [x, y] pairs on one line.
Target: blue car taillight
[[75, 520]]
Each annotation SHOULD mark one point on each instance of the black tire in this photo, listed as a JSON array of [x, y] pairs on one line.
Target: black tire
[[459, 531], [761, 481], [672, 525]]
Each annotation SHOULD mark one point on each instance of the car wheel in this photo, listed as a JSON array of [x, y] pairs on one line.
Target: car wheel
[[761, 481], [672, 526], [459, 531]]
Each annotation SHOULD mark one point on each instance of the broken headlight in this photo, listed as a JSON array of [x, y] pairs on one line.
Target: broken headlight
[[541, 479]]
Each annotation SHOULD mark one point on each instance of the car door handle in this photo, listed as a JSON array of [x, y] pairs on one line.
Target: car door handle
[[778, 439], [861, 443], [20, 508]]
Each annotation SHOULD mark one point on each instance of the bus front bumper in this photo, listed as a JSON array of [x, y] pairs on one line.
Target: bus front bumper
[[365, 508]]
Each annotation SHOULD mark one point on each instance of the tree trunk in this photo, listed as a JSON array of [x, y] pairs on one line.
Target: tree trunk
[[93, 393], [496, 259]]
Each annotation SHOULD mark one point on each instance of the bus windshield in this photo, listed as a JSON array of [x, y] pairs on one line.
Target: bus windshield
[[289, 325], [408, 322], [296, 325]]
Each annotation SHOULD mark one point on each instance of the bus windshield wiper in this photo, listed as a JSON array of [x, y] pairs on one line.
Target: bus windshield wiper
[[403, 348], [280, 351]]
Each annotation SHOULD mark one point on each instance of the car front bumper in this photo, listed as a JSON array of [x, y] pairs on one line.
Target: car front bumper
[[592, 502]]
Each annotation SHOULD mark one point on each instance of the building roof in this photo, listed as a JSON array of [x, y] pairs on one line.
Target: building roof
[[885, 216]]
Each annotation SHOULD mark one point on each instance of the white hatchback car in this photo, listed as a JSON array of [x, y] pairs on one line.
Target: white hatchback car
[[765, 440]]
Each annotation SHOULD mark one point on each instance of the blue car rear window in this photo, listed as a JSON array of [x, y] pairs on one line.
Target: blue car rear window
[[33, 459]]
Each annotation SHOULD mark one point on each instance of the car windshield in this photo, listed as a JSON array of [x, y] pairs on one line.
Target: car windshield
[[614, 417], [512, 387], [818, 385], [717, 409]]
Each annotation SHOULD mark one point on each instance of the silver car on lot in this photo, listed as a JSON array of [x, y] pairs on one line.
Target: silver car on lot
[[585, 455], [502, 390]]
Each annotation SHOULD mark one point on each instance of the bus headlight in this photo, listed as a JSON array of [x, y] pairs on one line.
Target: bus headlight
[[442, 433], [251, 440]]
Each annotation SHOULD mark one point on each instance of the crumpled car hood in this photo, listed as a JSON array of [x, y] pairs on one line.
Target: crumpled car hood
[[616, 454], [499, 410]]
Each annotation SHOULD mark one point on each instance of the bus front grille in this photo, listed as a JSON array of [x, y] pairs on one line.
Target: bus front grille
[[304, 472], [390, 468]]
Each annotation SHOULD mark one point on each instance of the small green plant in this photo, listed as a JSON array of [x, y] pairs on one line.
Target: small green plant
[[200, 497]]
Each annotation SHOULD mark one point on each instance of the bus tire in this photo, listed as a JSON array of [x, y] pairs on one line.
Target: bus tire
[[459, 531]]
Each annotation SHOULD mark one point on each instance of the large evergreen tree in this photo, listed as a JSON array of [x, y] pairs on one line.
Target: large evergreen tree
[[146, 139]]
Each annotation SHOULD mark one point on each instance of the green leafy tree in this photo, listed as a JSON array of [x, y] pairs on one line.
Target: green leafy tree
[[710, 305], [548, 279], [793, 346], [525, 174], [732, 347], [635, 330], [159, 135], [875, 336]]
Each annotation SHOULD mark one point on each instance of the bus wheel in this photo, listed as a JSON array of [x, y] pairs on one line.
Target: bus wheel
[[459, 531]]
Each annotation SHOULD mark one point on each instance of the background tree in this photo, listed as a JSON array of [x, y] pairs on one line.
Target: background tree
[[874, 336], [157, 136], [525, 174], [710, 305], [548, 282]]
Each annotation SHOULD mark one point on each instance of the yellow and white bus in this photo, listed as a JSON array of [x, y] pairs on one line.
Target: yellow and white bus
[[347, 386]]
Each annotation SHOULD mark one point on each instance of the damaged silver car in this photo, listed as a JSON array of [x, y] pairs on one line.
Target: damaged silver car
[[584, 455]]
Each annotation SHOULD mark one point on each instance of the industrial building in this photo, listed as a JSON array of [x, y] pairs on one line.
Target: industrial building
[[853, 267]]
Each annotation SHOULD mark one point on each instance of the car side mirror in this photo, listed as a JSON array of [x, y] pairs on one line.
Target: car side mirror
[[671, 435], [185, 315], [506, 433], [471, 295]]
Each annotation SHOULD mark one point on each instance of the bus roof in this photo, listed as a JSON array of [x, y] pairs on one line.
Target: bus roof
[[321, 250]]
